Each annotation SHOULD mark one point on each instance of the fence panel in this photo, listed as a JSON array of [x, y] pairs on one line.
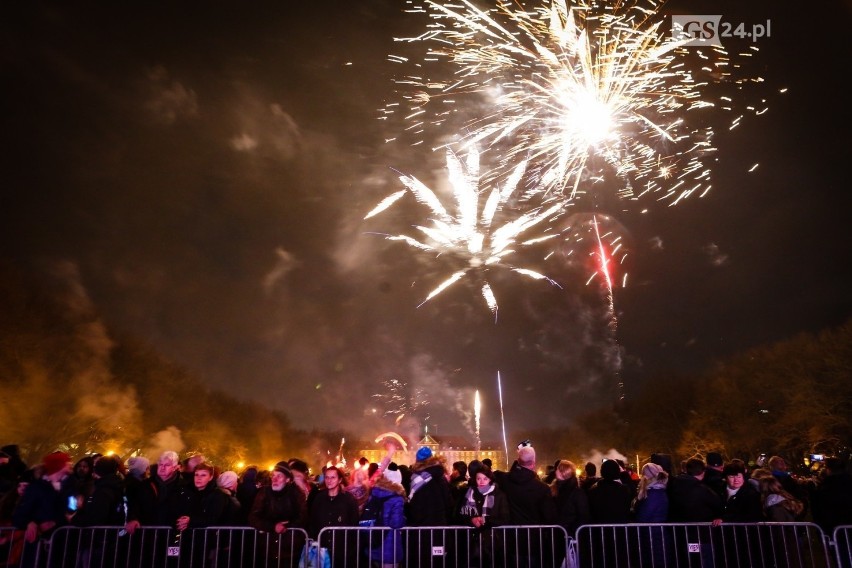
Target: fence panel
[[842, 539], [735, 545], [220, 547], [15, 551]]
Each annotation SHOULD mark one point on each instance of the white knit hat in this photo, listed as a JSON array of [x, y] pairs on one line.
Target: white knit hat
[[393, 475]]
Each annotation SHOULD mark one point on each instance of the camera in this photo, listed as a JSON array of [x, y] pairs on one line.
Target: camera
[[817, 457]]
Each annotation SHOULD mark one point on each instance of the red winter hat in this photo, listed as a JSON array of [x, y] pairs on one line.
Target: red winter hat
[[55, 461]]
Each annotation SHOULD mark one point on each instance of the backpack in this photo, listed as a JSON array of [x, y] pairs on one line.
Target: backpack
[[373, 517]]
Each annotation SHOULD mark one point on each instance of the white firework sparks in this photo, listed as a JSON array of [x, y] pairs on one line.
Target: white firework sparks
[[582, 92], [471, 233]]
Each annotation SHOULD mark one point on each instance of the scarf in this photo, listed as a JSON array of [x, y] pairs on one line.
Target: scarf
[[479, 501]]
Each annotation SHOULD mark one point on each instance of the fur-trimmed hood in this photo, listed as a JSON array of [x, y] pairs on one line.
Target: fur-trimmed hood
[[433, 461], [387, 485]]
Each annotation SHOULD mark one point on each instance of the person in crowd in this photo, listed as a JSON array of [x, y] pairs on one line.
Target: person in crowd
[[458, 482], [693, 501], [359, 486], [390, 493], [741, 499], [12, 467], [247, 489], [484, 506], [188, 465], [82, 476], [572, 503], [333, 507], [610, 498], [779, 506], [430, 501], [163, 497], [651, 506], [780, 470], [44, 504], [105, 506], [690, 499], [530, 503], [590, 476], [302, 479], [652, 500], [530, 500], [831, 503], [277, 507], [207, 504], [234, 515], [713, 476]]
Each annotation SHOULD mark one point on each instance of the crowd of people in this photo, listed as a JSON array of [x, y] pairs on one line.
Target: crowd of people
[[103, 490]]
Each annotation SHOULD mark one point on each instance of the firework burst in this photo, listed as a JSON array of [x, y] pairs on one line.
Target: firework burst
[[582, 92], [472, 236]]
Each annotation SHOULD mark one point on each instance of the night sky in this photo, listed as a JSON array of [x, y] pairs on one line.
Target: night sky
[[204, 169]]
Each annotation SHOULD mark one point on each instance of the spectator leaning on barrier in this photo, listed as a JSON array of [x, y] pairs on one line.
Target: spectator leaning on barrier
[[42, 507], [741, 499], [163, 497], [690, 499]]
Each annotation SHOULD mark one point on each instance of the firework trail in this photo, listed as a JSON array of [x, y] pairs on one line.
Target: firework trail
[[502, 418], [582, 93], [476, 409], [472, 237], [604, 270]]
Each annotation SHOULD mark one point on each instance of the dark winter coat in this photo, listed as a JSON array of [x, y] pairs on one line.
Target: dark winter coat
[[159, 503], [609, 502], [271, 507], [105, 506], [832, 502], [393, 516], [326, 511], [208, 507], [41, 503], [430, 502], [572, 505], [743, 506], [692, 501], [530, 500]]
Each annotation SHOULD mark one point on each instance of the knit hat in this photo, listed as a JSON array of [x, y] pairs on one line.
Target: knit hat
[[651, 470], [423, 454], [228, 480], [55, 461], [138, 465], [282, 467], [393, 474]]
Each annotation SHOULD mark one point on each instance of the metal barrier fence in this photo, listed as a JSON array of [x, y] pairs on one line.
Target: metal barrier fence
[[842, 541], [445, 547], [735, 545], [779, 545]]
